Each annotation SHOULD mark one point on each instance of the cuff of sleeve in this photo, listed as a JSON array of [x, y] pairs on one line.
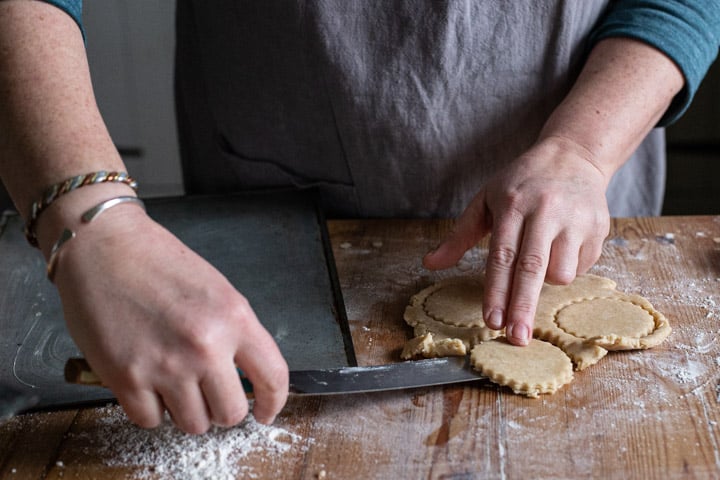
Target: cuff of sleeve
[[687, 35]]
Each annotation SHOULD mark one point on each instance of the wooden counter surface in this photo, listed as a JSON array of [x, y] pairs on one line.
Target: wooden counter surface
[[647, 415]]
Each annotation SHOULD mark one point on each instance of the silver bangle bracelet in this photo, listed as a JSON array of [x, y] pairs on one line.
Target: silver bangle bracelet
[[59, 189], [86, 217], [52, 261], [95, 211]]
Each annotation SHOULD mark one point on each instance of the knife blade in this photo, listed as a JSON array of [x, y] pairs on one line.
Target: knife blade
[[344, 380], [14, 401], [393, 376]]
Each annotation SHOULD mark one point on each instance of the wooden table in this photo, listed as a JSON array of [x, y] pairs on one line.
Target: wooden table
[[645, 415]]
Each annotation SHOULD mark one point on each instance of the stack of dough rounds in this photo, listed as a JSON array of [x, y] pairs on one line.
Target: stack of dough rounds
[[574, 324]]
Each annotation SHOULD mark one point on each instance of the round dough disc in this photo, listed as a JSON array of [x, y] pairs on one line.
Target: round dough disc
[[539, 367], [458, 304], [605, 316]]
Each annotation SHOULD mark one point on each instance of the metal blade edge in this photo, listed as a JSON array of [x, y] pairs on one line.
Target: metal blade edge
[[394, 376]]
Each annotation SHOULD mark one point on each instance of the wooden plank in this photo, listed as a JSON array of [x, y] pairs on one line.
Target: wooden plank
[[29, 444], [651, 414], [615, 418]]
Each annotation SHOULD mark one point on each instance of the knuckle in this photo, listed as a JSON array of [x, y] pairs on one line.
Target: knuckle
[[131, 378], [169, 366], [193, 426], [494, 298], [502, 257], [560, 276], [598, 225], [241, 308], [548, 200], [514, 200], [144, 421], [276, 380], [203, 348], [588, 256], [524, 308], [532, 263], [522, 311], [142, 417], [231, 417], [202, 341]]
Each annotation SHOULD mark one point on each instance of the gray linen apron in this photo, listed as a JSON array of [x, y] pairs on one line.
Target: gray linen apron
[[391, 108]]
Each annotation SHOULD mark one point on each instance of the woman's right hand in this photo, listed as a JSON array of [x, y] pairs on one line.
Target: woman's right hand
[[163, 328]]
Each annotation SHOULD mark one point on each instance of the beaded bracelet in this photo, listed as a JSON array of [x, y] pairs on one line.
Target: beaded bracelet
[[87, 217], [60, 189]]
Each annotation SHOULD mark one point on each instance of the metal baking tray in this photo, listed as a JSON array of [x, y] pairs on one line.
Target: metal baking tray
[[273, 246]]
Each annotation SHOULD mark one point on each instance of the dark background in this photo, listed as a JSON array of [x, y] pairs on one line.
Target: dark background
[[693, 145]]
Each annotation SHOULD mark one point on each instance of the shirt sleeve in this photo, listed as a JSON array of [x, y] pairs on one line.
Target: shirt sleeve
[[72, 8], [687, 31]]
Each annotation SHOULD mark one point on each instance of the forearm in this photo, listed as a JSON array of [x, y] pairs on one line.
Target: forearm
[[50, 127], [621, 93]]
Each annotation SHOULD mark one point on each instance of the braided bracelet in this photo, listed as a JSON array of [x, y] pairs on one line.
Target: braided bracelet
[[87, 217], [60, 189]]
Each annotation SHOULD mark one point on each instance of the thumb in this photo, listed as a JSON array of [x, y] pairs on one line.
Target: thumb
[[469, 229]]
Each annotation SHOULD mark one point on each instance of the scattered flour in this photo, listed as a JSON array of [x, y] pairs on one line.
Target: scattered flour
[[690, 372], [167, 453]]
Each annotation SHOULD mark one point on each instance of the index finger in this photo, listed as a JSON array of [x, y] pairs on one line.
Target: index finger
[[260, 360], [528, 278]]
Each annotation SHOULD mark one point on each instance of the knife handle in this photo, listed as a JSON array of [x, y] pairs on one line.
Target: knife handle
[[78, 371]]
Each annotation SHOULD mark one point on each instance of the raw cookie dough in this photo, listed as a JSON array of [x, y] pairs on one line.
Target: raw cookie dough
[[581, 321], [426, 346], [539, 367], [589, 317], [451, 308]]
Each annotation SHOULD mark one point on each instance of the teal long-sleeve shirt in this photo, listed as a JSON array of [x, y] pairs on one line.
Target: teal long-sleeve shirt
[[687, 31]]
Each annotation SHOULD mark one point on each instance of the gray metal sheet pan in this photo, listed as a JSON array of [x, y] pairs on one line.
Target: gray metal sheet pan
[[272, 246]]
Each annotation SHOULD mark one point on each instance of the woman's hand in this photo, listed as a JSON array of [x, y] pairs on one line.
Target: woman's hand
[[163, 328], [547, 216], [546, 211]]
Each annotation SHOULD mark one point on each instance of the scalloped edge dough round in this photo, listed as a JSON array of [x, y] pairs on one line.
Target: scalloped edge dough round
[[538, 368], [658, 335], [605, 316], [417, 316], [588, 351]]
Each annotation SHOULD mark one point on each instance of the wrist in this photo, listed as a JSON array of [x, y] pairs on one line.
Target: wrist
[[66, 211], [564, 147]]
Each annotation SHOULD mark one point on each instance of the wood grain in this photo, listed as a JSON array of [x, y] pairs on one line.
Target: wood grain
[[646, 415]]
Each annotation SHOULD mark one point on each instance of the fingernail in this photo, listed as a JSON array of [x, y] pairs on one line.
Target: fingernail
[[266, 420], [520, 332], [494, 320]]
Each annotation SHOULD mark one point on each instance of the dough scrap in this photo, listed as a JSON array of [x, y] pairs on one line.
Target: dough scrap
[[426, 346], [451, 308], [540, 367]]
